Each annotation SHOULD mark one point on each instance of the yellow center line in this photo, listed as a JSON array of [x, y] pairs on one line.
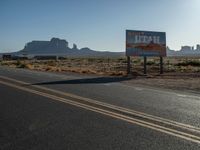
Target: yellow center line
[[114, 107], [153, 126]]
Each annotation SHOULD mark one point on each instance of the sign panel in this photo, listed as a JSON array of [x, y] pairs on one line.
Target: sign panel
[[145, 43]]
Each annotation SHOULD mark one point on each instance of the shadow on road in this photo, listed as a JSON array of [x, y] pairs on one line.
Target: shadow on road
[[98, 80]]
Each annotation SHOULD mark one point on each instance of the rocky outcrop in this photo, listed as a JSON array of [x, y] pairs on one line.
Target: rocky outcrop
[[184, 51], [60, 47], [55, 45]]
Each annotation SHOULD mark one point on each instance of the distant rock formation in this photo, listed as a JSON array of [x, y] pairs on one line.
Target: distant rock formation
[[74, 47], [53, 46], [185, 51], [60, 47]]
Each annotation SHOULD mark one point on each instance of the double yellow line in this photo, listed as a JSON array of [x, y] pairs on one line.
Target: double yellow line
[[184, 131]]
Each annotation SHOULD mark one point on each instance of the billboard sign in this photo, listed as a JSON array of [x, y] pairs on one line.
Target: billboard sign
[[145, 43]]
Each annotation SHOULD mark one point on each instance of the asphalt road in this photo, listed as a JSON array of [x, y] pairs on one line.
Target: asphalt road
[[40, 110]]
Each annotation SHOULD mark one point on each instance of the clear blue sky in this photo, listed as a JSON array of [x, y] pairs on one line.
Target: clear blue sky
[[97, 24]]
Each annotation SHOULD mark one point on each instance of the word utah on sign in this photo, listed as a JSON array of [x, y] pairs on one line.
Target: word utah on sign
[[145, 43]]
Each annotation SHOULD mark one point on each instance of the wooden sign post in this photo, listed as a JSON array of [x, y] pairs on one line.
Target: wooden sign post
[[161, 65], [128, 65], [145, 65]]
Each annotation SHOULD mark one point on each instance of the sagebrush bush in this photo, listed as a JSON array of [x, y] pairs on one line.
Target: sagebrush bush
[[194, 63]]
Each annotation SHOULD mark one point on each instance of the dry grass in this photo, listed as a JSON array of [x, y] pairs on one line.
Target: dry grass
[[179, 72], [110, 66]]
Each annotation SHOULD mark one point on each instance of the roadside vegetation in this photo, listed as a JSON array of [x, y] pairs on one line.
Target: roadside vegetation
[[180, 73], [109, 66]]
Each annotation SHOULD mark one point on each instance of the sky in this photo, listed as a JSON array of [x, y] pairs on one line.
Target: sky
[[97, 24]]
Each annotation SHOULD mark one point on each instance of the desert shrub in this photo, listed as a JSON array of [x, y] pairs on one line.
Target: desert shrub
[[1, 62], [124, 61], [49, 68], [18, 63], [194, 63], [29, 66], [91, 59], [151, 63], [21, 66], [136, 61], [51, 63], [120, 59], [100, 60]]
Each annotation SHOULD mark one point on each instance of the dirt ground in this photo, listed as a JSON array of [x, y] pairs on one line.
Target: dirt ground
[[183, 82], [179, 73]]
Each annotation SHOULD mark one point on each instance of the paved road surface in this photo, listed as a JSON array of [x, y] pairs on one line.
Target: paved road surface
[[40, 110]]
